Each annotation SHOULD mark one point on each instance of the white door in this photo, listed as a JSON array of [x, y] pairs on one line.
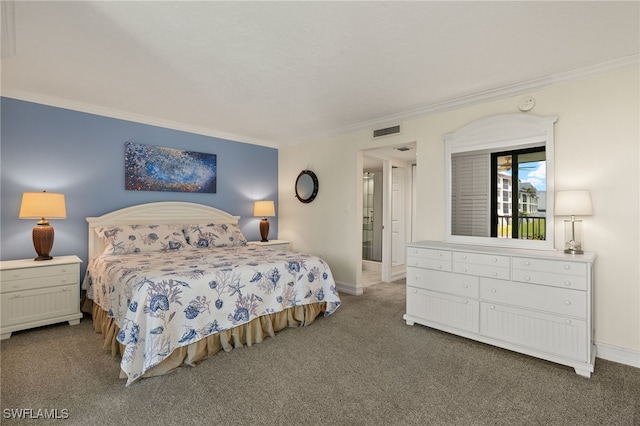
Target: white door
[[397, 215]]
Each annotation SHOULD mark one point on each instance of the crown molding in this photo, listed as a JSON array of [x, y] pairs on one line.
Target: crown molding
[[464, 101], [489, 95], [128, 116]]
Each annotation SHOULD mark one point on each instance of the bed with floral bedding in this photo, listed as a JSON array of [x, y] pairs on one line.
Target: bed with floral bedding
[[173, 283]]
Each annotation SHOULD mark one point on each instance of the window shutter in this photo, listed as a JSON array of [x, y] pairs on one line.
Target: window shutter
[[470, 195]]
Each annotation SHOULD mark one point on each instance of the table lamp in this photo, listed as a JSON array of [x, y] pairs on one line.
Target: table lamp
[[42, 205]]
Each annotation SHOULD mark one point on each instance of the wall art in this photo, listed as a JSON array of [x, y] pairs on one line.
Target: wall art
[[155, 168]]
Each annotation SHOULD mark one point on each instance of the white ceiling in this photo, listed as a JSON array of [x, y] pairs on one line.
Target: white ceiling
[[278, 73]]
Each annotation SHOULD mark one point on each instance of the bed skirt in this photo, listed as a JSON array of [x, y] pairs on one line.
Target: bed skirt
[[253, 332]]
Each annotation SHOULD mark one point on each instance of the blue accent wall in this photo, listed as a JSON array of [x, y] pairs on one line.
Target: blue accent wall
[[44, 148]]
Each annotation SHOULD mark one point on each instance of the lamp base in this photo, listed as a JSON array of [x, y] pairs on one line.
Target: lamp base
[[43, 258], [264, 230], [574, 251], [43, 240]]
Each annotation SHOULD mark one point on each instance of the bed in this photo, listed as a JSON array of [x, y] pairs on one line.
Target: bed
[[171, 283]]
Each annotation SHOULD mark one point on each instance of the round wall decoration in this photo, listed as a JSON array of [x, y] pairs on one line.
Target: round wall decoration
[[306, 186]]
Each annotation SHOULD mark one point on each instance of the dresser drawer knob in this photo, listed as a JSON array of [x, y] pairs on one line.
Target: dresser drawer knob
[[527, 278], [527, 263], [439, 254], [466, 302], [464, 256], [567, 267], [464, 269], [415, 291], [568, 321], [495, 274], [567, 302], [567, 283], [494, 260], [439, 266], [493, 290], [16, 286], [465, 285], [493, 306]]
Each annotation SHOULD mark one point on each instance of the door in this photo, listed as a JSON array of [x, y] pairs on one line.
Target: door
[[397, 215]]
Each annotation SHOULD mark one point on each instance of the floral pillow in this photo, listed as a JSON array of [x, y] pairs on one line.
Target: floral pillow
[[129, 239], [214, 235]]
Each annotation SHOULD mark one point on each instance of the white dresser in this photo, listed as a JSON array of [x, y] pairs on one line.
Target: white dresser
[[534, 302], [39, 293]]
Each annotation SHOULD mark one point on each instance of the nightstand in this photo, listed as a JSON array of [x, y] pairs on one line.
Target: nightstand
[[274, 244], [39, 293]]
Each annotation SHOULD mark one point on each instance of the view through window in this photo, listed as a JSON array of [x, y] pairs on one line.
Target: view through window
[[519, 186]]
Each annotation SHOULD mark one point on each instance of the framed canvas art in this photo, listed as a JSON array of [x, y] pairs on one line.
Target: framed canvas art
[[155, 168]]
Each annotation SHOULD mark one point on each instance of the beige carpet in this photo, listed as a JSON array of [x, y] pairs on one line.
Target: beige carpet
[[361, 366]]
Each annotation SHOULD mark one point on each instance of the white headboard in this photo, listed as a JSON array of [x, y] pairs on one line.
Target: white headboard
[[161, 213]]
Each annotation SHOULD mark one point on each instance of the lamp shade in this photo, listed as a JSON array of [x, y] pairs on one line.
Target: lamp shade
[[37, 205], [573, 203], [264, 208]]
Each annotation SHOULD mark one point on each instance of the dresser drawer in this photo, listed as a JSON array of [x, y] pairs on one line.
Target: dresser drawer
[[553, 266], [481, 270], [543, 298], [436, 264], [540, 331], [481, 259], [444, 309], [446, 282], [36, 272], [427, 253], [551, 279]]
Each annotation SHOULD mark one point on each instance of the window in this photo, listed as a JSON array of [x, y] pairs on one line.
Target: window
[[525, 172], [473, 191]]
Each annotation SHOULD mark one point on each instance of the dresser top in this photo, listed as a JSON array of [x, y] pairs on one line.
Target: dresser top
[[30, 263], [548, 254]]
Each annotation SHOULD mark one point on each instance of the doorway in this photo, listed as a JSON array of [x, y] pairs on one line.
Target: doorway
[[387, 206]]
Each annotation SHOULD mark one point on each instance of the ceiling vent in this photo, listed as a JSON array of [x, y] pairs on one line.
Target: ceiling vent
[[386, 131]]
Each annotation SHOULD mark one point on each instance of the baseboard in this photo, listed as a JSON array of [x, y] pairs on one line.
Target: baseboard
[[349, 289], [618, 354]]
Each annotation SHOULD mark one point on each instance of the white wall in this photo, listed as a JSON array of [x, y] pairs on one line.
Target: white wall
[[597, 139]]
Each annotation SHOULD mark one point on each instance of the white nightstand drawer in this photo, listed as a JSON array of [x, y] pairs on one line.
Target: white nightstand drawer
[[39, 282], [39, 304], [36, 272]]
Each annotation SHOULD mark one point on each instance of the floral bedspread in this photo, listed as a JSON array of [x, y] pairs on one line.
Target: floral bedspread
[[163, 301]]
